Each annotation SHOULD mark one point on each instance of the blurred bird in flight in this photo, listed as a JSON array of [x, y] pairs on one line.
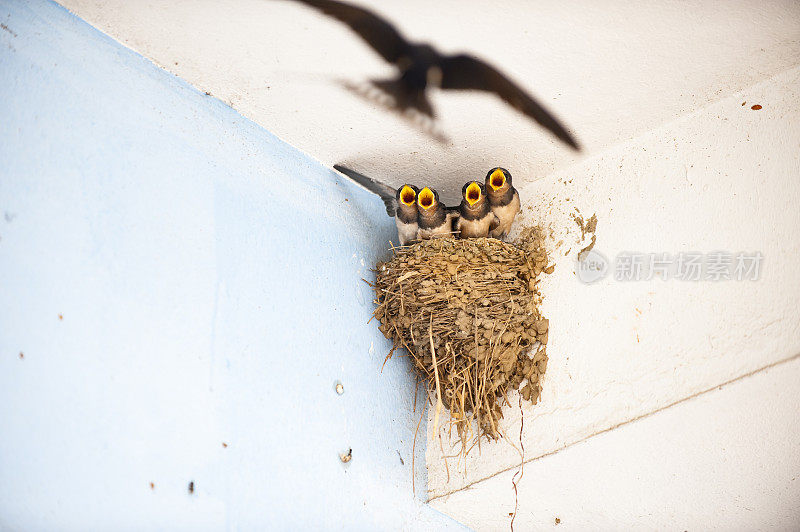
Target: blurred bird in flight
[[422, 66]]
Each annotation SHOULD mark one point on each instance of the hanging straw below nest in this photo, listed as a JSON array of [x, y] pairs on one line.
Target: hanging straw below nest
[[467, 313]]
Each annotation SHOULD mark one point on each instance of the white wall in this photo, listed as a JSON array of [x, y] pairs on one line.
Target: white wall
[[725, 460], [609, 70], [726, 178], [175, 278]]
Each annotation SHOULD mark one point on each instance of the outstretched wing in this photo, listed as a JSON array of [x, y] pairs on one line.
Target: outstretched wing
[[387, 193], [381, 35], [469, 73]]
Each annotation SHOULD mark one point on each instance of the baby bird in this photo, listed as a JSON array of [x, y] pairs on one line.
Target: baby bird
[[503, 199], [434, 219], [476, 218], [406, 214]]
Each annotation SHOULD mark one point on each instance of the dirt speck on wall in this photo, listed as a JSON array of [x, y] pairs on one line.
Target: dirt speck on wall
[[588, 226]]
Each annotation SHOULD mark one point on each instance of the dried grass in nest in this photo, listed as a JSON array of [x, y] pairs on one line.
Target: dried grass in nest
[[467, 313]]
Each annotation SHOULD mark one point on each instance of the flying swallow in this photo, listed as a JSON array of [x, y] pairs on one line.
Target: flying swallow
[[421, 65], [476, 218], [503, 199], [435, 220], [400, 203]]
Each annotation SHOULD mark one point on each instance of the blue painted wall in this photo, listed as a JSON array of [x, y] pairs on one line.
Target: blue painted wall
[[173, 278]]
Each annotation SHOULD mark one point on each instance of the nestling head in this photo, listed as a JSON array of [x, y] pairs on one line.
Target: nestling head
[[427, 199], [498, 180], [407, 197], [473, 193]]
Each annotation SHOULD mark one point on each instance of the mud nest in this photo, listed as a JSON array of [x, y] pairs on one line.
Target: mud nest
[[467, 311]]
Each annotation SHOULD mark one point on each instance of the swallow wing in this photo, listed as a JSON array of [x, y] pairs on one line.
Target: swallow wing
[[495, 223], [454, 216], [387, 193], [456, 224], [381, 35], [469, 73]]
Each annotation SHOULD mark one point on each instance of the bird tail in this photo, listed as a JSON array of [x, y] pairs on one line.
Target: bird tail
[[386, 193]]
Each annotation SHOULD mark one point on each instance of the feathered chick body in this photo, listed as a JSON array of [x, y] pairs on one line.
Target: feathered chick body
[[503, 199], [434, 218], [406, 217], [476, 218]]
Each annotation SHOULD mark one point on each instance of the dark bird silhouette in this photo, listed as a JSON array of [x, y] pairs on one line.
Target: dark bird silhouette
[[422, 66]]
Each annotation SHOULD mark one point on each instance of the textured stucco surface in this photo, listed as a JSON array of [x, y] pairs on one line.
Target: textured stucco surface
[[162, 259]]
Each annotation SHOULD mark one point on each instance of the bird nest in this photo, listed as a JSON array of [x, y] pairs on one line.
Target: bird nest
[[467, 311]]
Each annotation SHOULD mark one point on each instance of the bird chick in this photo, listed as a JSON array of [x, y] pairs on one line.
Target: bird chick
[[503, 199], [400, 203], [406, 216], [476, 218], [434, 218]]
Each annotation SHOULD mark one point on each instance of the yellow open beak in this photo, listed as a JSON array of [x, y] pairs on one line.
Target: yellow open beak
[[473, 193], [408, 196], [497, 179], [425, 198]]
